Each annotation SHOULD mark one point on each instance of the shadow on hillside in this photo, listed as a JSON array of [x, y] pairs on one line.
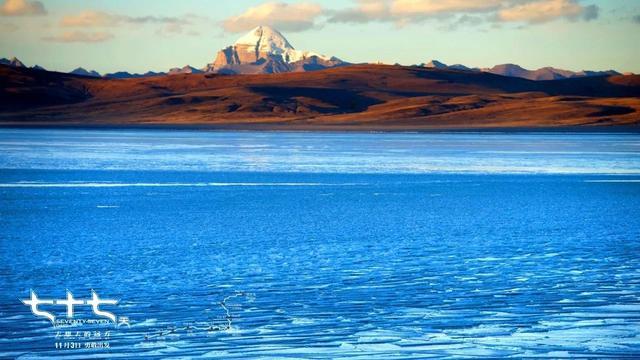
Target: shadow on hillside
[[345, 100]]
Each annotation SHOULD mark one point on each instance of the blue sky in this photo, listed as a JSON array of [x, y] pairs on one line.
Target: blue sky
[[143, 35]]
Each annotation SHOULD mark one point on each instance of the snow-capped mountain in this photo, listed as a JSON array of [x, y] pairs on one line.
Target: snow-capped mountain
[[435, 64], [545, 73], [265, 50], [184, 70], [12, 62], [82, 71], [513, 70], [461, 67]]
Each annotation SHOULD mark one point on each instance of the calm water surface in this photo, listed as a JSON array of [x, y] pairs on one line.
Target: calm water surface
[[315, 245]]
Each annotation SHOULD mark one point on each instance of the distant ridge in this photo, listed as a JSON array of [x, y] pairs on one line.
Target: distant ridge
[[83, 72], [128, 75], [434, 64], [15, 62], [187, 69], [545, 73], [264, 50], [514, 70], [12, 62]]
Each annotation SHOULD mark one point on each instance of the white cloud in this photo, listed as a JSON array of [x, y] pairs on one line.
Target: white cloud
[[167, 25], [80, 36], [411, 8], [171, 29], [546, 10], [22, 8], [365, 11], [406, 11], [91, 19], [409, 11], [283, 16]]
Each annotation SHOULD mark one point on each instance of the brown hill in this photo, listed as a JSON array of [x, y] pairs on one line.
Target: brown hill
[[353, 97]]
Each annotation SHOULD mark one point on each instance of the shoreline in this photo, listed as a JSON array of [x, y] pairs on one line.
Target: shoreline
[[326, 129]]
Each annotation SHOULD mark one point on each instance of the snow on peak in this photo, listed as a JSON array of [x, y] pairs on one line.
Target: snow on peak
[[267, 40], [12, 62], [435, 64]]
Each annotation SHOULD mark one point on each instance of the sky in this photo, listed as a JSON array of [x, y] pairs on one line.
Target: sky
[[143, 35]]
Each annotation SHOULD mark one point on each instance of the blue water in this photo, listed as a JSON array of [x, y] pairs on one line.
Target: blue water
[[324, 244]]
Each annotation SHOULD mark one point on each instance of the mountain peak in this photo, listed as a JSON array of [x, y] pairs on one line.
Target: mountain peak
[[84, 72], [187, 69], [265, 50], [545, 73], [435, 64], [12, 62], [265, 39]]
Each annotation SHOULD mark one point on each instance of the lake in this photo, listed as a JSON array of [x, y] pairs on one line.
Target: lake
[[315, 245]]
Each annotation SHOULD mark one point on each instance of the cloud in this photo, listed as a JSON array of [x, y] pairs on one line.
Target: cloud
[[103, 19], [175, 29], [91, 19], [408, 11], [168, 25], [283, 16], [546, 10], [80, 36], [402, 12], [366, 11], [419, 8], [465, 20], [591, 12], [8, 27], [21, 8]]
